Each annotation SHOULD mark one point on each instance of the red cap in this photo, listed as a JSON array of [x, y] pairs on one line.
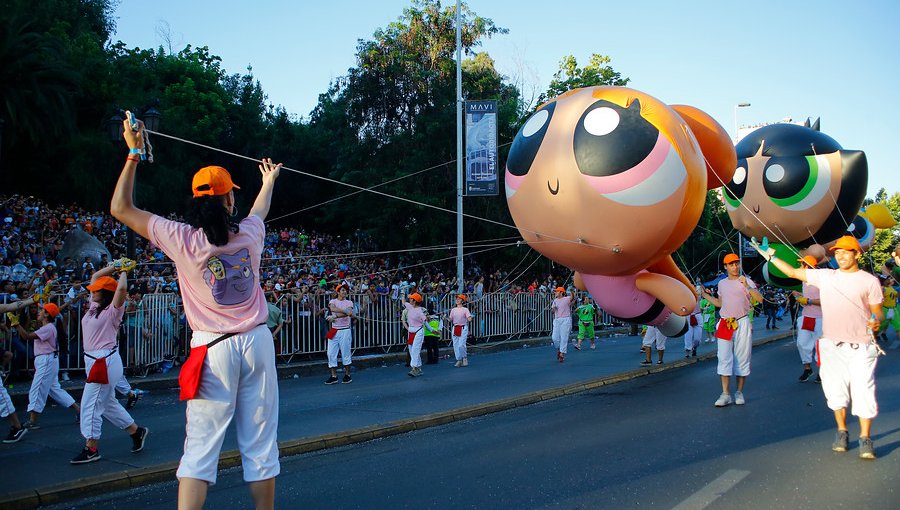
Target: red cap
[[731, 257], [461, 297], [846, 243], [212, 181], [51, 309], [104, 283]]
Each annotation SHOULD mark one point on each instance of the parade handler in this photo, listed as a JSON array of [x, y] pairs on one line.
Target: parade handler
[[848, 354]]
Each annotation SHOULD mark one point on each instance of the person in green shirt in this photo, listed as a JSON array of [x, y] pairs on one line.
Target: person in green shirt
[[708, 312], [432, 338], [586, 314]]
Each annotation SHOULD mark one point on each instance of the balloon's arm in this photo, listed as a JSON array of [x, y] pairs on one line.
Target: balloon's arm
[[670, 291]]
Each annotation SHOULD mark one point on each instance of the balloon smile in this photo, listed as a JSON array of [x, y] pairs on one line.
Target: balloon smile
[[553, 191], [756, 209]]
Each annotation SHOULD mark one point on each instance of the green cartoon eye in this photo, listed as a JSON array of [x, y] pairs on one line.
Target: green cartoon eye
[[797, 183]]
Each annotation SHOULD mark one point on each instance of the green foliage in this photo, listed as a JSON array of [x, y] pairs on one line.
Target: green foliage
[[570, 76]]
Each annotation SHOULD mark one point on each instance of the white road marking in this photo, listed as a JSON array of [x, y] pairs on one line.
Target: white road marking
[[715, 489]]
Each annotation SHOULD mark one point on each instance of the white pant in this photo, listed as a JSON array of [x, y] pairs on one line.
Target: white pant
[[123, 386], [99, 400], [734, 354], [848, 375], [692, 337], [806, 340], [415, 350], [654, 337], [459, 343], [340, 342], [239, 381], [46, 383], [562, 328], [6, 404]]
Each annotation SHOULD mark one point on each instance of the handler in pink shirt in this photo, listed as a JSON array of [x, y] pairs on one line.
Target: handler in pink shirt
[[851, 311], [562, 322], [460, 317]]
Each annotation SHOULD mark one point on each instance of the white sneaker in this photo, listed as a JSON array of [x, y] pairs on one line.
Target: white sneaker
[[465, 362], [739, 398], [458, 364], [724, 400], [65, 376]]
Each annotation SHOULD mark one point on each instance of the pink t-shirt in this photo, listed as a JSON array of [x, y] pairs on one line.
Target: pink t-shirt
[[340, 305], [219, 284], [459, 315], [100, 332], [562, 307], [845, 303], [811, 292], [45, 343], [735, 298], [415, 317]]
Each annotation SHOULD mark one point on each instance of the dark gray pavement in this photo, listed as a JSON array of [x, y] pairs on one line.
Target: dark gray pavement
[[382, 401]]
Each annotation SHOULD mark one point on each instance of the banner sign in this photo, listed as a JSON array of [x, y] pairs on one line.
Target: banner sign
[[481, 148]]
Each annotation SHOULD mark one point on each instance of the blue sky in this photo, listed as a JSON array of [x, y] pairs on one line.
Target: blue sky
[[799, 59]]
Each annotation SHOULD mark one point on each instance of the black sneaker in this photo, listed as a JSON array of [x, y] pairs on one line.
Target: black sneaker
[[841, 441], [818, 379], [132, 400], [805, 375], [139, 438], [660, 362], [694, 352], [646, 363], [15, 434], [86, 455], [866, 448], [331, 380], [347, 379]]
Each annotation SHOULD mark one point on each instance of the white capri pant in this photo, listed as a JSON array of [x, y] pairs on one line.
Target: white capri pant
[[562, 328], [99, 400], [46, 383], [459, 343], [340, 342], [806, 339], [734, 355], [693, 336], [6, 404], [238, 381], [848, 375], [654, 337], [415, 349]]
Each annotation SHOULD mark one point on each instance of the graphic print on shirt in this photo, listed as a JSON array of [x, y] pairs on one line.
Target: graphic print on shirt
[[230, 277]]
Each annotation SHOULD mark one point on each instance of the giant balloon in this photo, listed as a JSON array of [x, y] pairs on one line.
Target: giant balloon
[[609, 181], [78, 245]]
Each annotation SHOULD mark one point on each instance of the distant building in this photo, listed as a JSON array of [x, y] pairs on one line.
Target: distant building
[[746, 130]]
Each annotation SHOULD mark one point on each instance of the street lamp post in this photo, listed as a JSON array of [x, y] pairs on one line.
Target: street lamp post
[[740, 252], [150, 117]]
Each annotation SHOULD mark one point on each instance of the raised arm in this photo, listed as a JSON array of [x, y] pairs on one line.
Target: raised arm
[[122, 205], [709, 297], [263, 201]]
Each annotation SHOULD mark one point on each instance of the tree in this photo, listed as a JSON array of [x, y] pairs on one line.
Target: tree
[[570, 76]]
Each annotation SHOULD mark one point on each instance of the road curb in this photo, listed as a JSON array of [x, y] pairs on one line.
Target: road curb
[[133, 478]]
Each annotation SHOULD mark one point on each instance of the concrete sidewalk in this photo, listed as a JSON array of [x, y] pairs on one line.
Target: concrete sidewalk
[[381, 401]]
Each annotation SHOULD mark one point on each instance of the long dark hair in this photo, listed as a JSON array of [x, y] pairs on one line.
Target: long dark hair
[[209, 213], [106, 298]]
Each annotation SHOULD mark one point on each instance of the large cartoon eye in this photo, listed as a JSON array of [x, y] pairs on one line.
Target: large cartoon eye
[[609, 139], [735, 189], [796, 183], [245, 271], [528, 141]]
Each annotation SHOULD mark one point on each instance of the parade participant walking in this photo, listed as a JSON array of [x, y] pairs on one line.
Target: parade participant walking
[[340, 335], [562, 322], [7, 409], [734, 329], [708, 313], [460, 317], [217, 262], [99, 328], [809, 324], [653, 337], [46, 366], [851, 311], [415, 321], [891, 315], [587, 315], [432, 338], [694, 333]]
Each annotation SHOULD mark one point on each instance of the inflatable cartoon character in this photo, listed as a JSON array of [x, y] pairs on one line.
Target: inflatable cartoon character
[[609, 181], [798, 187]]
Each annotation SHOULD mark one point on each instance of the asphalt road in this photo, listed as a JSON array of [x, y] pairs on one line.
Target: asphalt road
[[653, 442]]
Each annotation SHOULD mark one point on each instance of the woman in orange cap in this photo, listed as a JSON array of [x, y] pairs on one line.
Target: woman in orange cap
[[343, 311], [99, 331], [46, 366], [218, 260], [809, 324], [460, 317], [562, 322], [415, 320]]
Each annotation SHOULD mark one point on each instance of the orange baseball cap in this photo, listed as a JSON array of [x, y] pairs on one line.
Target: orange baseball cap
[[731, 257], [560, 289], [340, 286], [104, 283], [212, 181], [51, 309], [461, 297], [415, 296], [846, 243], [810, 261]]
